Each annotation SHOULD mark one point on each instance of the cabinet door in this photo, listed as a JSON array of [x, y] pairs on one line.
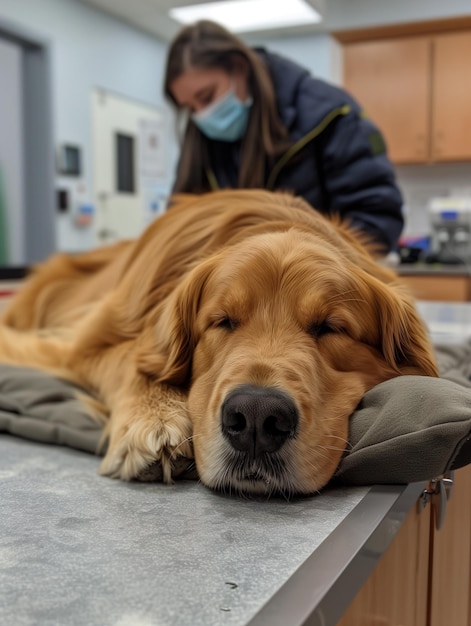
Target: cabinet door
[[444, 288], [397, 591], [392, 81], [452, 97], [451, 548]]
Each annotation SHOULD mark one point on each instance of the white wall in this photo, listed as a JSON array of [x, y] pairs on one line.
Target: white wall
[[321, 54], [421, 183], [89, 49], [11, 148]]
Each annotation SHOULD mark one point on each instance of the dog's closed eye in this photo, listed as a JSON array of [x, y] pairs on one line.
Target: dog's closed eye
[[226, 323], [320, 328]]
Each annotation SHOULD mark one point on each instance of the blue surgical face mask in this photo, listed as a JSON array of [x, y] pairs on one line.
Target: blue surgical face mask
[[225, 119]]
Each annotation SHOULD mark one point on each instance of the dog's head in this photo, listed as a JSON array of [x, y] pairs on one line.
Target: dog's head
[[278, 338]]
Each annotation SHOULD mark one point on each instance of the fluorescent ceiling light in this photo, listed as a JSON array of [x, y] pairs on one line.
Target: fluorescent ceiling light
[[247, 15]]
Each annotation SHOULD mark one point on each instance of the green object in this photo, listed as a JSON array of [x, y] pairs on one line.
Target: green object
[[377, 144], [3, 225]]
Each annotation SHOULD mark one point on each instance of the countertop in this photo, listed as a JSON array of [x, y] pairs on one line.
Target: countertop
[[448, 322], [13, 272], [432, 269], [79, 549]]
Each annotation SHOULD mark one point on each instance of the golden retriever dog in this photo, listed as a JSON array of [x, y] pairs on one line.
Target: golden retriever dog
[[241, 329]]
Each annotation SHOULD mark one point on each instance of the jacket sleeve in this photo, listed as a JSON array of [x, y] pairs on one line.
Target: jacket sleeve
[[358, 177]]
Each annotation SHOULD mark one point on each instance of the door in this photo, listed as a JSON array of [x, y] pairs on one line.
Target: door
[[130, 169], [392, 81], [12, 175]]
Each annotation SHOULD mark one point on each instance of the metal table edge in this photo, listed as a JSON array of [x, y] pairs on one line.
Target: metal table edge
[[322, 588]]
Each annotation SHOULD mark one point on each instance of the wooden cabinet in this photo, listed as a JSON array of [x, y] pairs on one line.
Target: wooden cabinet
[[440, 287], [424, 578], [451, 97], [450, 576], [392, 81], [418, 91], [397, 591]]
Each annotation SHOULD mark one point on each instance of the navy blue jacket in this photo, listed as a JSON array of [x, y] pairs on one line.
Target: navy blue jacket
[[338, 162]]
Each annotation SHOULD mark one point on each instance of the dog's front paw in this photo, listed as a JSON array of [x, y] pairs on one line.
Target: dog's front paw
[[149, 439]]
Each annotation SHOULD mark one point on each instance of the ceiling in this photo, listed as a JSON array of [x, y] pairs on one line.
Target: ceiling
[[338, 15], [152, 16]]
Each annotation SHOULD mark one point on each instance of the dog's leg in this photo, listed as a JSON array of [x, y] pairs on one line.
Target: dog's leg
[[30, 349], [149, 424], [148, 421]]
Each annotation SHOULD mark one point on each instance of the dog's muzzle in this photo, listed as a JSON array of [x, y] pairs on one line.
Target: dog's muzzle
[[258, 420]]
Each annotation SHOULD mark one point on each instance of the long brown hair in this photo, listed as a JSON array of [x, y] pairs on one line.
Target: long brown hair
[[206, 44]]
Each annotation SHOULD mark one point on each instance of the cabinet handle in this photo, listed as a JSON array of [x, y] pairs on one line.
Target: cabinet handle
[[438, 492]]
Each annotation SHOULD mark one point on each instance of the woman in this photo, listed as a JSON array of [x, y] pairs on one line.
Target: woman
[[257, 119]]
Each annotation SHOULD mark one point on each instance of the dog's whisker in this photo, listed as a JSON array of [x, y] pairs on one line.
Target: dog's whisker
[[346, 445], [332, 436], [189, 439]]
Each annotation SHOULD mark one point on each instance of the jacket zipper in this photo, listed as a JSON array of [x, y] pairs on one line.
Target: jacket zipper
[[301, 143], [292, 150]]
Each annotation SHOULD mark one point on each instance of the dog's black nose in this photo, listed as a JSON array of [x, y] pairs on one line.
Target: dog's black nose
[[258, 419]]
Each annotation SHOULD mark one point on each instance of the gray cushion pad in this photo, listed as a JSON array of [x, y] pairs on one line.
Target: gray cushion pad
[[40, 407], [406, 429]]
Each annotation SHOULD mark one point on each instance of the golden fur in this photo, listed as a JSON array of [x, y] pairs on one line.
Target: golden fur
[[242, 327]]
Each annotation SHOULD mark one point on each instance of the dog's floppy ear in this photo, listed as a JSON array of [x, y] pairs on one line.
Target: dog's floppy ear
[[404, 338], [169, 339]]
